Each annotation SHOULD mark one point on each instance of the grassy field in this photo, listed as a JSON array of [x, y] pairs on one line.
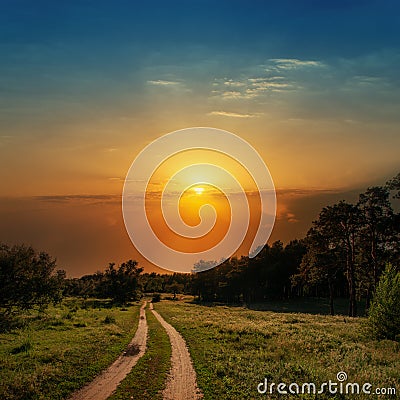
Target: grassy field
[[234, 349], [313, 305], [147, 379], [52, 354]]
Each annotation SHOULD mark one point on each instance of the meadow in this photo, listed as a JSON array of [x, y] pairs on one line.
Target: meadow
[[235, 348], [52, 353]]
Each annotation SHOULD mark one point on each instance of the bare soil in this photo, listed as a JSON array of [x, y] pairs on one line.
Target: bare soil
[[181, 382], [104, 384]]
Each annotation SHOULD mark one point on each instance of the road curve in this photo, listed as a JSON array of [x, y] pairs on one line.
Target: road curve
[[181, 382], [104, 384]]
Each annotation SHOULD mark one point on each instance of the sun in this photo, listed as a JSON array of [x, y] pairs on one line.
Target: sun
[[198, 190]]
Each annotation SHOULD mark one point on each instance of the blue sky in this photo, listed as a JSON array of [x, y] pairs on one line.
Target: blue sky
[[95, 52]]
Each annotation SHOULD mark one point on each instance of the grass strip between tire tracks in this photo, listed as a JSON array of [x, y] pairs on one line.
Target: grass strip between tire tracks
[[147, 379]]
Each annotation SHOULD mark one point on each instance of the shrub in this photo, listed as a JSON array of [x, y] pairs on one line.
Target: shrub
[[156, 297], [384, 314], [27, 279]]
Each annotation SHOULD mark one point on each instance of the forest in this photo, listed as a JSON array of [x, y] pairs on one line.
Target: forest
[[342, 255]]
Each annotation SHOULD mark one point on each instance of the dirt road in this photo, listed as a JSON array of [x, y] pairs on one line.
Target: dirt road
[[105, 383], [181, 382]]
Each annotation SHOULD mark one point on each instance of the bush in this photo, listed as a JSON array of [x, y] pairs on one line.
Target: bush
[[384, 314], [156, 298], [27, 279]]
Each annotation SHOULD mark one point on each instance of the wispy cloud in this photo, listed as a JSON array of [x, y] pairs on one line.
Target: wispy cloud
[[229, 94], [161, 82], [278, 75], [232, 83], [304, 192], [294, 63], [91, 198], [233, 114], [250, 88]]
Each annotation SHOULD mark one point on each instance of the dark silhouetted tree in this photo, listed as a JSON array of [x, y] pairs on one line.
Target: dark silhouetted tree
[[28, 278], [122, 282], [338, 226], [377, 236], [321, 265]]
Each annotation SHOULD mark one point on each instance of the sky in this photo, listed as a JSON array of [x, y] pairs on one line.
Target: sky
[[86, 85]]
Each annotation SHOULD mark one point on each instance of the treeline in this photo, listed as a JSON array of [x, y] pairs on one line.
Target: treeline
[[235, 280], [349, 245], [126, 283], [343, 254], [267, 276], [120, 284]]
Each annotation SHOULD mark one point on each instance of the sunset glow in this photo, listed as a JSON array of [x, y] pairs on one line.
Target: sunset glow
[[87, 86], [198, 190]]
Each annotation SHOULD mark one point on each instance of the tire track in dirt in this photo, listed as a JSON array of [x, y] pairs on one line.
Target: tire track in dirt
[[107, 381], [181, 382]]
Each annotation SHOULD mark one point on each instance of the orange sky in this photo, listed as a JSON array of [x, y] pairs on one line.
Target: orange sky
[[85, 233]]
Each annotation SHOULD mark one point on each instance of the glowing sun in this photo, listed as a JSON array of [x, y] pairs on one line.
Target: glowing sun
[[198, 190]]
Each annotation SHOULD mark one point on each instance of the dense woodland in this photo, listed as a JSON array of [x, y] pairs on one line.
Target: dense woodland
[[343, 255]]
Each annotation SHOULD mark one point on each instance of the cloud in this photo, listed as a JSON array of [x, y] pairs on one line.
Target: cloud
[[294, 63], [231, 82], [233, 114], [276, 76], [305, 192], [78, 198], [231, 94], [177, 86], [160, 82], [247, 88]]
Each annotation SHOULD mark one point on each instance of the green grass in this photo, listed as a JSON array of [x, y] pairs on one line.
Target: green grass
[[147, 379], [312, 305], [55, 353], [234, 349]]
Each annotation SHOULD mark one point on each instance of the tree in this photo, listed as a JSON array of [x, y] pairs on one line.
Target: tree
[[377, 237], [27, 278], [151, 283], [122, 282], [384, 314], [174, 288], [203, 265], [321, 264], [394, 184], [337, 229]]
